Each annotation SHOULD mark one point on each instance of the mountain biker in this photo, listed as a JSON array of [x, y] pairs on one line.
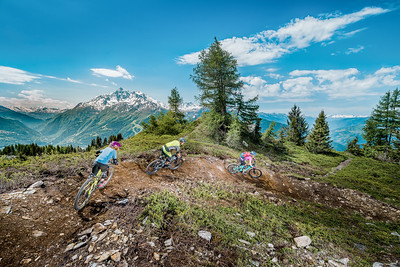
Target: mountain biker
[[101, 162], [247, 158], [173, 145]]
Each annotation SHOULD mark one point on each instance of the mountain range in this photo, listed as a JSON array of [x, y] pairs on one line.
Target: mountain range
[[122, 112]]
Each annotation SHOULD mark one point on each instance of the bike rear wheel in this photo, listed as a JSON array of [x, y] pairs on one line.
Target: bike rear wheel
[[233, 168], [255, 173], [84, 193], [154, 166], [175, 163]]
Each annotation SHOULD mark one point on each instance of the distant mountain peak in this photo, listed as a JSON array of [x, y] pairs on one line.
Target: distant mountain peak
[[122, 97]]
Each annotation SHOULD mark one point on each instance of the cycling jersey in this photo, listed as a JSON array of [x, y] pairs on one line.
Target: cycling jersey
[[173, 145], [106, 155]]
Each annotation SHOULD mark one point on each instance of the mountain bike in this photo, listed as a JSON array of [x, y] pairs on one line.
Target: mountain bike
[[250, 170], [90, 185], [174, 163]]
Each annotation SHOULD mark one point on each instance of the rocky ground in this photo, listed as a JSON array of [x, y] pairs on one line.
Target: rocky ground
[[39, 226]]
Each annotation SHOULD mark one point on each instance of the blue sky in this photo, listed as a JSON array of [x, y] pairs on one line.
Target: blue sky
[[339, 56]]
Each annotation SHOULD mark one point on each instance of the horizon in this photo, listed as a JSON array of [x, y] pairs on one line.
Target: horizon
[[340, 57]]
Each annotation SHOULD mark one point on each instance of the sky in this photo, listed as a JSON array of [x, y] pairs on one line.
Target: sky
[[336, 56]]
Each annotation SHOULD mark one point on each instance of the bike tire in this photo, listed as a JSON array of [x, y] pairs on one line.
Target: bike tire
[[110, 173], [233, 168], [154, 167], [255, 173], [176, 163], [84, 193]]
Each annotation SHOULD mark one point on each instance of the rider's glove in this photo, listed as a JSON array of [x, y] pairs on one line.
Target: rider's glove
[[115, 162], [98, 152]]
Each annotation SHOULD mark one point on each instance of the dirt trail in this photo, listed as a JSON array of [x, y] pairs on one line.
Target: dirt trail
[[37, 225]]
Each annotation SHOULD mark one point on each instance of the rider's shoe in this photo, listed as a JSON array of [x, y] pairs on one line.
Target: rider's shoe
[[102, 183]]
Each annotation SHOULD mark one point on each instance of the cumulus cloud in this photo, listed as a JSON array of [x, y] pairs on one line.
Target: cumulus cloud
[[267, 46], [304, 84], [15, 76], [34, 98], [119, 72]]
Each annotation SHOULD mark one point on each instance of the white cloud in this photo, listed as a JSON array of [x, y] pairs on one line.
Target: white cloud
[[354, 50], [267, 46], [118, 73], [15, 76], [304, 84], [33, 98]]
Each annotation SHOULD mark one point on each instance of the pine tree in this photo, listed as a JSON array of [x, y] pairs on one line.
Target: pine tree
[[319, 140], [353, 147], [298, 127], [247, 112], [383, 123], [217, 78], [175, 101], [234, 135]]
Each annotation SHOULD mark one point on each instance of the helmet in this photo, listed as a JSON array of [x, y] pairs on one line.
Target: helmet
[[253, 153], [182, 140], [115, 143]]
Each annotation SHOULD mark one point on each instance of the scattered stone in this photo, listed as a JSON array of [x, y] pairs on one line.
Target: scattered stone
[[255, 263], [26, 261], [105, 255], [123, 202], [302, 241], [170, 248], [98, 228], [156, 256], [244, 241], [36, 185], [151, 244], [168, 242], [74, 257], [86, 232], [37, 233], [101, 236], [108, 222], [116, 256], [205, 235], [270, 245], [91, 247], [5, 210], [81, 244], [69, 247], [26, 218], [377, 264], [251, 234], [117, 231], [275, 260], [30, 191]]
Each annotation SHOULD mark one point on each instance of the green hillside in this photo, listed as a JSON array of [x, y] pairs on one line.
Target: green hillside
[[13, 131]]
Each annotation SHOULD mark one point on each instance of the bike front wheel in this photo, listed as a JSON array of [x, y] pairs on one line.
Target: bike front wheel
[[154, 166], [175, 163], [84, 193], [233, 168], [255, 173]]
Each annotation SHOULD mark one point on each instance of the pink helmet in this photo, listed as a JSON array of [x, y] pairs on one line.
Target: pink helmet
[[115, 143]]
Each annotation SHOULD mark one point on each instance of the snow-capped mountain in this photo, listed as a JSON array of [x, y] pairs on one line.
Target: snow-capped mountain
[[122, 99]]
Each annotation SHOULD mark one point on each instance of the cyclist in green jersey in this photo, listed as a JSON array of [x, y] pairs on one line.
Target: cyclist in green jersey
[[173, 145]]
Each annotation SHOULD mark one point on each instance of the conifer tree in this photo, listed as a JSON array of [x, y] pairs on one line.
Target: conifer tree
[[234, 135], [384, 122], [175, 101], [319, 140], [353, 147], [298, 127], [217, 78]]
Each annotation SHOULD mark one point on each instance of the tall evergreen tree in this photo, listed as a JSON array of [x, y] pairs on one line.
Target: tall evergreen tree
[[298, 127], [319, 140], [217, 78], [175, 101], [247, 112], [384, 122]]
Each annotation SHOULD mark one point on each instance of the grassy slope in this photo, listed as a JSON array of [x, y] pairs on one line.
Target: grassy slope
[[229, 212]]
